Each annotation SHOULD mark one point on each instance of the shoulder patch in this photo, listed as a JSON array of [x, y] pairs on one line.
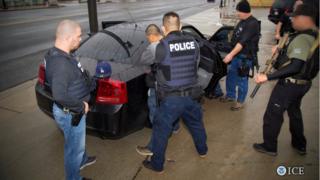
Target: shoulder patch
[[297, 50]]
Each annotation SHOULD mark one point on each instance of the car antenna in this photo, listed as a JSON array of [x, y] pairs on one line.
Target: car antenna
[[128, 43], [131, 17], [136, 26]]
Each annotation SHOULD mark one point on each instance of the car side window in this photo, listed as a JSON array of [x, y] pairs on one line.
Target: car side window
[[102, 46], [224, 35], [192, 31]]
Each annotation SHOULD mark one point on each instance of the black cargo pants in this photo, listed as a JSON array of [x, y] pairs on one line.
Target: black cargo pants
[[286, 96]]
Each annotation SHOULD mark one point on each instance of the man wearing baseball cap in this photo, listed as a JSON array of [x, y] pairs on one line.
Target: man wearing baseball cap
[[297, 64]]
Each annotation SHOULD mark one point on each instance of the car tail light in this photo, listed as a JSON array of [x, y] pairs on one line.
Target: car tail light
[[41, 74], [111, 92]]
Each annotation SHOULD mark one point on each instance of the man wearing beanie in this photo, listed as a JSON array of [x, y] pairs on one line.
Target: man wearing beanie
[[241, 59]]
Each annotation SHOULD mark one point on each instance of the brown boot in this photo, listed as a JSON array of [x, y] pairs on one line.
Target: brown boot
[[237, 106], [226, 99]]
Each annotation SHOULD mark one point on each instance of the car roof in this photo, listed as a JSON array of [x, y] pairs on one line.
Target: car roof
[[132, 37]]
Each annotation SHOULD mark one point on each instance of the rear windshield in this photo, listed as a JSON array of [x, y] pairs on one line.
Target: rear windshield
[[102, 46]]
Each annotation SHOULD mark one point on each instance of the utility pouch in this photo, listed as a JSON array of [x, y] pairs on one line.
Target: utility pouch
[[243, 69]]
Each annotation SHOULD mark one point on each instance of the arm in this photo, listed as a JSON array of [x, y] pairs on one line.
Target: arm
[[160, 52], [297, 53], [198, 55], [246, 36], [233, 53], [278, 28], [148, 56], [293, 68]]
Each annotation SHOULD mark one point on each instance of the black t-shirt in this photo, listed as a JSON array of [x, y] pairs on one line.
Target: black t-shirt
[[247, 33]]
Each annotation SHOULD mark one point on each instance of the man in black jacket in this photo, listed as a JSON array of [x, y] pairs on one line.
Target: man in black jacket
[[70, 88]]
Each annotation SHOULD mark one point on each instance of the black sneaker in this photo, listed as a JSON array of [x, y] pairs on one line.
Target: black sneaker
[[147, 164], [301, 151], [213, 96], [261, 148], [217, 96], [91, 160], [84, 178], [176, 131]]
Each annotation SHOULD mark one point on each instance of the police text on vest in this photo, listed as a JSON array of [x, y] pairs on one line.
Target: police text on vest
[[182, 46]]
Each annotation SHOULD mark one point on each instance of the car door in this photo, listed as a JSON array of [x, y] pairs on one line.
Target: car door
[[221, 40], [212, 51]]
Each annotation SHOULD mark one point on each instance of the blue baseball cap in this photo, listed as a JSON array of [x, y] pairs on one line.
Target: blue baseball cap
[[103, 69]]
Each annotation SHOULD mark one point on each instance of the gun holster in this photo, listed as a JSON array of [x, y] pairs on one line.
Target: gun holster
[[243, 69], [76, 118]]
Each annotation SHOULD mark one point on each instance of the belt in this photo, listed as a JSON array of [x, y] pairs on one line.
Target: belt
[[64, 109], [243, 56], [179, 93], [182, 93], [190, 92], [297, 81]]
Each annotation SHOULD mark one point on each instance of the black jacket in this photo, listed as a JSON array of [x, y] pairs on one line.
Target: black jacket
[[69, 84]]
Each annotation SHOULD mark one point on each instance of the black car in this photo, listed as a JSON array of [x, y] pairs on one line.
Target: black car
[[119, 104], [278, 8]]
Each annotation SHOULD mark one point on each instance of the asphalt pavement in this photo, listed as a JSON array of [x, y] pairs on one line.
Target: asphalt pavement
[[26, 35]]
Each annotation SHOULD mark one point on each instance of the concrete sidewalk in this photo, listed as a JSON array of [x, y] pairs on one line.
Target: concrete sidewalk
[[32, 145]]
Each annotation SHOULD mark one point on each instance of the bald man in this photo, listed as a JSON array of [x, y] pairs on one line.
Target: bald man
[[70, 89]]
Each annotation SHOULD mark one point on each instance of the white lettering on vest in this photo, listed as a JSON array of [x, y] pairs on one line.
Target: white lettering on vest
[[182, 46]]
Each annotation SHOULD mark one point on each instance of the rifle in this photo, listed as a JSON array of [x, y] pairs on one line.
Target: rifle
[[270, 62]]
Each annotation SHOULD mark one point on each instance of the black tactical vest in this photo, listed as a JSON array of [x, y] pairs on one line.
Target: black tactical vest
[[311, 66], [178, 70]]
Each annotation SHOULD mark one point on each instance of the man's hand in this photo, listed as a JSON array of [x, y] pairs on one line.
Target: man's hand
[[86, 107], [277, 37], [228, 58], [261, 78]]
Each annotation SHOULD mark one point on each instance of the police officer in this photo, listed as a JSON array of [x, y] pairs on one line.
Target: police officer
[[71, 92], [284, 25], [294, 73], [177, 57], [242, 57]]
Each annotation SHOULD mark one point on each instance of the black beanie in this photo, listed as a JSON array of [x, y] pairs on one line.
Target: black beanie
[[243, 6]]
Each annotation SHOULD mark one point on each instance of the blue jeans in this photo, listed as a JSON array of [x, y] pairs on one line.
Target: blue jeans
[[152, 104], [233, 80], [171, 108], [74, 142]]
